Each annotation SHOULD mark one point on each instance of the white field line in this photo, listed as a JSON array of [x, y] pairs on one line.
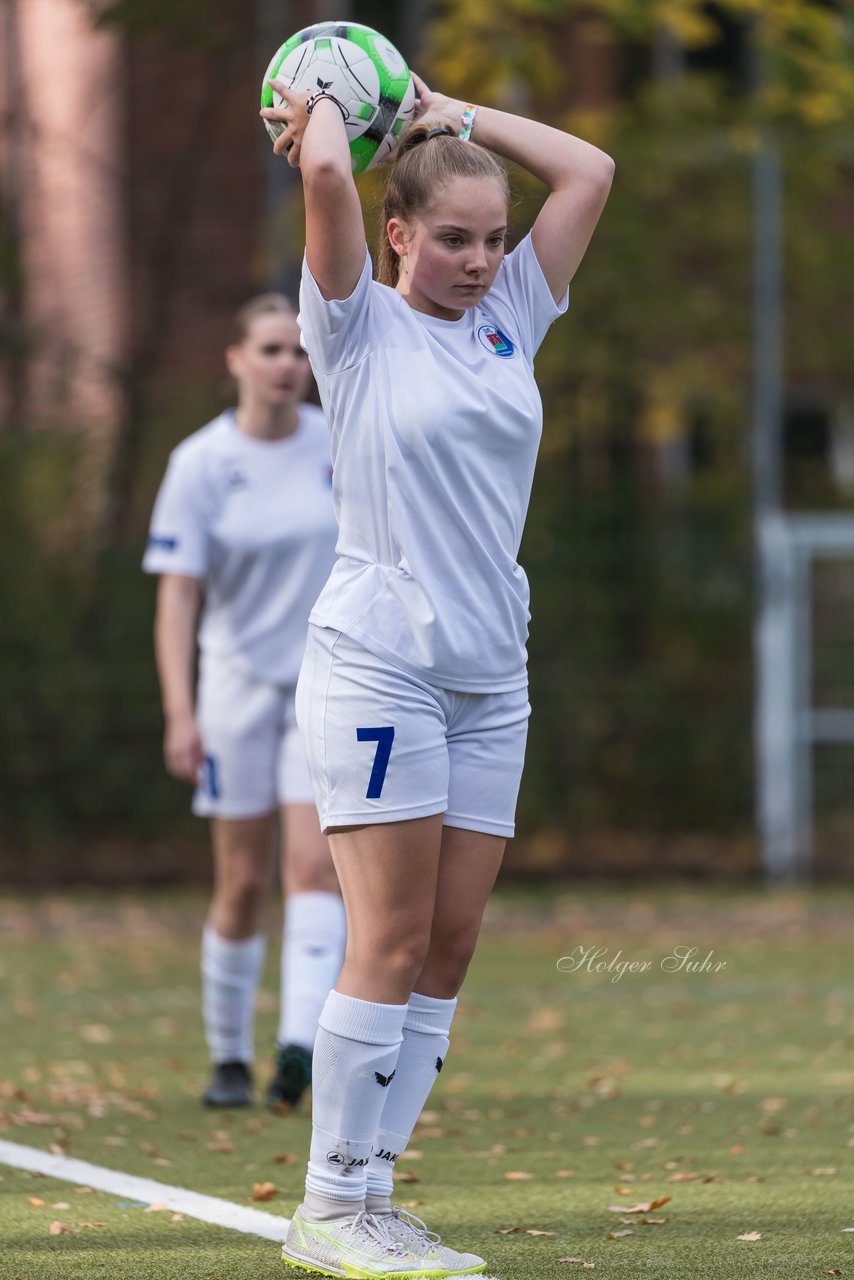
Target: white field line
[[223, 1213]]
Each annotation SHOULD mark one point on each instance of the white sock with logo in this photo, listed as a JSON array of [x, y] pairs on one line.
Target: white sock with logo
[[355, 1054], [231, 972], [425, 1044], [313, 937]]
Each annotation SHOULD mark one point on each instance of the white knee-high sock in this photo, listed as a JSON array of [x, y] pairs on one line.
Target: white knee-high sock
[[231, 972], [354, 1062], [313, 937], [425, 1044]]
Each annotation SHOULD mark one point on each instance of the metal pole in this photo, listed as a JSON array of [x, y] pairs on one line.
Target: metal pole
[[776, 714]]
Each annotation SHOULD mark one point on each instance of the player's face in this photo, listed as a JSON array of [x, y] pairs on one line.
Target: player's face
[[269, 364], [451, 252]]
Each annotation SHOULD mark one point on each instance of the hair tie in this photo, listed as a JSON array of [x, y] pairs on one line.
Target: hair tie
[[440, 129]]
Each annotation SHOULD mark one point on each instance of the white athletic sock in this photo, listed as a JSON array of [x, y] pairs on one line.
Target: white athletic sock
[[313, 937], [354, 1060], [425, 1044], [231, 972]]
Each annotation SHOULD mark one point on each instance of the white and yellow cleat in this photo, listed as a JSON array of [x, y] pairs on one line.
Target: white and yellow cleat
[[358, 1247], [405, 1229]]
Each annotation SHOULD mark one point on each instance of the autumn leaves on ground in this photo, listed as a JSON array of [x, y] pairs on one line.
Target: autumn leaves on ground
[[654, 1085]]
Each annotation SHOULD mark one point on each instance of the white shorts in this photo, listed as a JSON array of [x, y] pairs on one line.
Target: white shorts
[[384, 746], [254, 759]]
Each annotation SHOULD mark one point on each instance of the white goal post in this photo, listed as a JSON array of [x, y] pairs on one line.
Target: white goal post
[[788, 724]]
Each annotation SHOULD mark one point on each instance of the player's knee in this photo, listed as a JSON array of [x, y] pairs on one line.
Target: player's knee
[[450, 956], [400, 957], [244, 890]]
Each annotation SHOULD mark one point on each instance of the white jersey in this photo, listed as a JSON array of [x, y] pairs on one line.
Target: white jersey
[[435, 430], [253, 519]]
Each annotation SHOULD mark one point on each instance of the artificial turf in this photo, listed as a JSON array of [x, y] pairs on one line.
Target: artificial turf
[[570, 1097]]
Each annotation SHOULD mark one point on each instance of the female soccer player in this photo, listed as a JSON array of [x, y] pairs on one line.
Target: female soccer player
[[244, 519], [412, 697]]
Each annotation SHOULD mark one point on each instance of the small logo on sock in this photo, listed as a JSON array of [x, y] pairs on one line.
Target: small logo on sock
[[385, 1081], [439, 1065], [391, 1156], [335, 1157]]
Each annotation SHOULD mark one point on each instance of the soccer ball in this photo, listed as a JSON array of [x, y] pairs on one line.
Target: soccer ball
[[362, 70]]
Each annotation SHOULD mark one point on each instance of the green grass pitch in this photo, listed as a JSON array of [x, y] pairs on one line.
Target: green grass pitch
[[571, 1097]]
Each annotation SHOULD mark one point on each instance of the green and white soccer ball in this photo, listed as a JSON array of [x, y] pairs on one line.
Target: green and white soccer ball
[[362, 70]]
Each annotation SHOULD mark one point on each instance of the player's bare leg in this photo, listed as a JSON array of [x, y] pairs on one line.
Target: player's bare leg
[[313, 936], [233, 951], [468, 866]]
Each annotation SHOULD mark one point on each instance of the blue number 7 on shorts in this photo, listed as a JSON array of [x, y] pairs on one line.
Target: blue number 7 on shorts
[[383, 738]]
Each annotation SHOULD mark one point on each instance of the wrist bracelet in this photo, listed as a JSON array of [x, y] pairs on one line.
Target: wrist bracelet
[[467, 122], [313, 100]]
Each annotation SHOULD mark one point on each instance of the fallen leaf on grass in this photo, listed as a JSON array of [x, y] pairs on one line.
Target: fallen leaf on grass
[[821, 1173], [750, 1235], [833, 1272], [91, 1224], [617, 1235], [580, 1262], [96, 1033], [624, 1191], [224, 1148], [518, 1175], [59, 1229], [645, 1207], [35, 1200], [565, 1173], [154, 1208], [406, 1177], [644, 1222], [523, 1231], [284, 1158], [263, 1191], [61, 1204]]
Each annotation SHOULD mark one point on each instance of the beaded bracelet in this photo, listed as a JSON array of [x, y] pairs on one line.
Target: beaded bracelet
[[467, 122], [313, 100]]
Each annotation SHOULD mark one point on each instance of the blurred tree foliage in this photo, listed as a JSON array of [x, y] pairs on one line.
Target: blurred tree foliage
[[638, 542]]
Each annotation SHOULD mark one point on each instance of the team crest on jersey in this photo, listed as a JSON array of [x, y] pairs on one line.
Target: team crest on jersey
[[496, 341]]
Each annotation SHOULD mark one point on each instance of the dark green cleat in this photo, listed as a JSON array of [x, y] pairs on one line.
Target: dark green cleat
[[230, 1085], [292, 1078]]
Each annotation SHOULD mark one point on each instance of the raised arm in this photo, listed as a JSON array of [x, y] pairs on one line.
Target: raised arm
[[577, 174], [334, 230]]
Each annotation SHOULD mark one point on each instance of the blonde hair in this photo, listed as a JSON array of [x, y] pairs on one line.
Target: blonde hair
[[263, 304], [421, 168]]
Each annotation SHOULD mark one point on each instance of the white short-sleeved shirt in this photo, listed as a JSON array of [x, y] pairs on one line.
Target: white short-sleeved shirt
[[253, 519], [435, 430]]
